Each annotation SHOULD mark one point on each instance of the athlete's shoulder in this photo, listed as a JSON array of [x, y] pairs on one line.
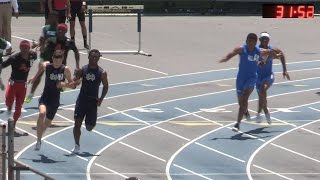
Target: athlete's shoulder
[[33, 53]]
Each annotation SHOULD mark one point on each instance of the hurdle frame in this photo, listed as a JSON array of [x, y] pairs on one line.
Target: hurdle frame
[[14, 165], [138, 9]]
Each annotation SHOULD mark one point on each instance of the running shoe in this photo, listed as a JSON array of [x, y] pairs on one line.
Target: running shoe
[[28, 98], [236, 127]]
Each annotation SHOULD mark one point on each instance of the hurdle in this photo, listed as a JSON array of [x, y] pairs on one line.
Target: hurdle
[[14, 165], [136, 9]]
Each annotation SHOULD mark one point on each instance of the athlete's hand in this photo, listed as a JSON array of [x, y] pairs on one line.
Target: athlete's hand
[[286, 75], [68, 17], [16, 14], [31, 81], [99, 101], [261, 63], [83, 8], [61, 84], [9, 51]]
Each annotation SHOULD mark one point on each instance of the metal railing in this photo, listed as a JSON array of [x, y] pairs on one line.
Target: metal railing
[[14, 165]]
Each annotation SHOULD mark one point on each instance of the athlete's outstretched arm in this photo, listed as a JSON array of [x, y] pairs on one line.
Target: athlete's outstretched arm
[[230, 55], [280, 55], [105, 83], [77, 76], [40, 71], [70, 83], [265, 53]]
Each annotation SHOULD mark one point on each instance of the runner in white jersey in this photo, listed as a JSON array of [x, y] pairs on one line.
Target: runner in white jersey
[[266, 76]]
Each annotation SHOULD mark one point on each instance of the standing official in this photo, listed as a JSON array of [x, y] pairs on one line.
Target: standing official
[[78, 8], [5, 17], [60, 7]]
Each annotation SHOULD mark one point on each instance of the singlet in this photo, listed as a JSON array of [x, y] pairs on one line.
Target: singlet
[[266, 69], [91, 80], [53, 75], [248, 62]]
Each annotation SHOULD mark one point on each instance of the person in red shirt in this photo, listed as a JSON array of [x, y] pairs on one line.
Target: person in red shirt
[[60, 7], [78, 8], [17, 86]]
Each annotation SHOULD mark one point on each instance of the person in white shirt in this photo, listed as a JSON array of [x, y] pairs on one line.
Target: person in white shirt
[[5, 17]]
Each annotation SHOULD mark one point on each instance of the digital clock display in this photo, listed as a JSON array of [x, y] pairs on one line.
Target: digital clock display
[[288, 11]]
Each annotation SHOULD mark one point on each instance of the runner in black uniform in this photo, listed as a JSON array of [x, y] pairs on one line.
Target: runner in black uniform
[[56, 73], [52, 44], [88, 100]]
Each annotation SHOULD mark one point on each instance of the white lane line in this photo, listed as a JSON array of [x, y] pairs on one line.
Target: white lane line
[[166, 88], [219, 92], [248, 169], [29, 115], [113, 172], [277, 174], [115, 61], [219, 152], [312, 132], [121, 138], [135, 118], [225, 126], [196, 115], [91, 161], [128, 115], [97, 132], [285, 122], [43, 139], [143, 152], [192, 172], [201, 72], [169, 163], [172, 133], [314, 109], [294, 152], [162, 174], [249, 135]]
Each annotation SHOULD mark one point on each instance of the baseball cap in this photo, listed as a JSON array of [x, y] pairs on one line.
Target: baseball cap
[[25, 43], [264, 34], [62, 27]]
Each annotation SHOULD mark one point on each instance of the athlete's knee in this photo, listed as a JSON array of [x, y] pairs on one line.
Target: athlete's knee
[[47, 122], [89, 127], [77, 124], [42, 115], [82, 23]]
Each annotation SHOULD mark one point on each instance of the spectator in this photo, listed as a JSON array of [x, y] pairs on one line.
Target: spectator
[[5, 17]]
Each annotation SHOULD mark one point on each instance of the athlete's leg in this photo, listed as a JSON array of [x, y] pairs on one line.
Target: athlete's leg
[[72, 22], [41, 121], [72, 29], [79, 114], [263, 97], [20, 95], [244, 89], [243, 103], [10, 94], [34, 87], [77, 130], [82, 17]]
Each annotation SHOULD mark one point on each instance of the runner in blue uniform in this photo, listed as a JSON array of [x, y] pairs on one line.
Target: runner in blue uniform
[[88, 100], [250, 58], [266, 76], [56, 73]]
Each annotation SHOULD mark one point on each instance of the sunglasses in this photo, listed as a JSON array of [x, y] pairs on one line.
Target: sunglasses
[[57, 56]]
